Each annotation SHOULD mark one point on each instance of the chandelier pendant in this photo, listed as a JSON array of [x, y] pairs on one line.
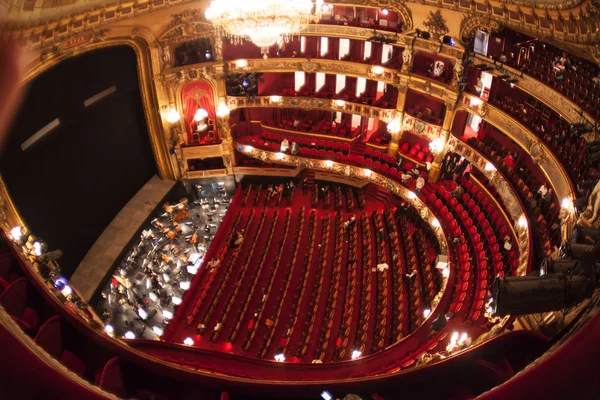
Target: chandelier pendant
[[263, 22]]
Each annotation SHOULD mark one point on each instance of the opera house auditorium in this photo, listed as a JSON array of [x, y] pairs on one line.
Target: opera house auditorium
[[288, 199]]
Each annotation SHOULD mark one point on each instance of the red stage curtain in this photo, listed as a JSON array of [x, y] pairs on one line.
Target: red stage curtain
[[195, 95]]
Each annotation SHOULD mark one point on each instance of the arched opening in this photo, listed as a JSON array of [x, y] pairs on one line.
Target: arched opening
[[78, 150]]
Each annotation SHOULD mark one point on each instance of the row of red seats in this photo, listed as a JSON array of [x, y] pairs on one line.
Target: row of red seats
[[400, 292], [266, 291], [270, 329], [242, 270], [338, 258], [383, 283], [319, 279], [308, 260], [416, 151]]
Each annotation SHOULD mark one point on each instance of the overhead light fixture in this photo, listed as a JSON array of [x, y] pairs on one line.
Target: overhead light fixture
[[275, 99], [129, 335], [176, 300], [184, 285], [173, 116], [201, 113], [262, 22]]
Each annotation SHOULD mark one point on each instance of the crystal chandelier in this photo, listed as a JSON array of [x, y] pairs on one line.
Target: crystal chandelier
[[263, 22]]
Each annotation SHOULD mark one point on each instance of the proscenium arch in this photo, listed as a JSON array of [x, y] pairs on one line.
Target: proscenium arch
[[142, 48]]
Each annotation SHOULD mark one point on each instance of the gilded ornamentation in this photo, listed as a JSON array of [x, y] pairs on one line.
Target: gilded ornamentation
[[436, 24], [589, 217], [407, 58], [536, 151], [503, 188]]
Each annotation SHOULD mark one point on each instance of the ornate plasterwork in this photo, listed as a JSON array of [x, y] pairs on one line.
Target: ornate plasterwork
[[553, 99], [389, 76], [420, 127], [311, 103], [473, 22], [509, 197], [544, 157]]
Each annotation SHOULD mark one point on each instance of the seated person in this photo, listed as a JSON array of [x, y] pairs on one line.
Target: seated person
[[285, 144]]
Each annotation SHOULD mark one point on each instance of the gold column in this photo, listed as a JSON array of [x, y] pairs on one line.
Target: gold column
[[434, 171], [223, 122], [173, 131], [395, 139]]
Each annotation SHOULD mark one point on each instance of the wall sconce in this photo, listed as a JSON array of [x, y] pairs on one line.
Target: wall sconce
[[412, 195], [436, 145], [279, 156], [340, 103], [394, 126], [377, 70], [566, 204], [490, 167], [223, 111], [275, 99], [435, 223], [329, 163], [201, 113], [241, 63], [522, 222], [475, 101], [368, 172], [173, 116], [248, 149]]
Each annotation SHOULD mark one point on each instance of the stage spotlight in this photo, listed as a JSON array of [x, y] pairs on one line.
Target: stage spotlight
[[518, 295]]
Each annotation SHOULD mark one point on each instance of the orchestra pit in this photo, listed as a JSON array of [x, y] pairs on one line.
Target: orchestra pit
[[298, 199]]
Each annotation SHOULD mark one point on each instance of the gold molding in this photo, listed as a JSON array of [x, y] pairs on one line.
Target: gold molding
[[382, 114], [509, 197], [545, 158], [359, 70], [140, 41], [552, 98]]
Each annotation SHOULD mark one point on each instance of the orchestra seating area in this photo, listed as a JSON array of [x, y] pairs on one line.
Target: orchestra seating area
[[304, 278]]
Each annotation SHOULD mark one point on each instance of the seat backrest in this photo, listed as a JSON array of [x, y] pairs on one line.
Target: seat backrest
[[111, 379], [49, 337], [13, 298]]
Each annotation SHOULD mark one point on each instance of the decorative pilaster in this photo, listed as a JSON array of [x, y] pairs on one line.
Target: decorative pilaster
[[396, 136], [434, 171]]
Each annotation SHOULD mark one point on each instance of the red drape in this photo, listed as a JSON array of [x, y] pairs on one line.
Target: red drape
[[196, 95]]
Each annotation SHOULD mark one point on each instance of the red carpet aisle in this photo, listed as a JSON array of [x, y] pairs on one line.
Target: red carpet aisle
[[304, 283]]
